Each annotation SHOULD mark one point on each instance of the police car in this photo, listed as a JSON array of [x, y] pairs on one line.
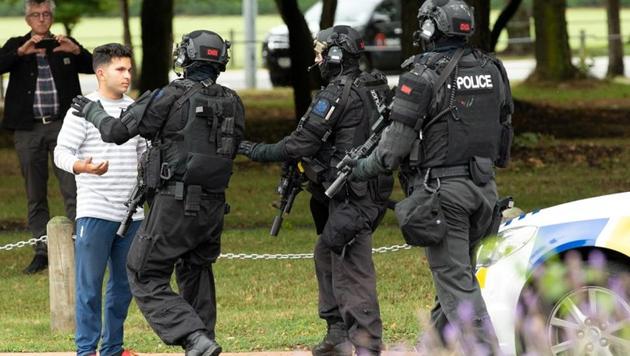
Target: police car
[[555, 281]]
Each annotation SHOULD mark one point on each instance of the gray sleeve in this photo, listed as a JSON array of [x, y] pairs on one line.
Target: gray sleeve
[[394, 146]]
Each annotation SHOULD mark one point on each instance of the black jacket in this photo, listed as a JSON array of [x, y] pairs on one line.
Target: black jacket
[[18, 103]]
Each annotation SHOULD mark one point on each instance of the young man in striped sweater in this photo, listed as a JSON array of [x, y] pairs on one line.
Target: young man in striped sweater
[[105, 175]]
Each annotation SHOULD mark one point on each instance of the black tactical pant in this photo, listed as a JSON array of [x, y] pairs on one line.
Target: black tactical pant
[[33, 148], [346, 277], [468, 212], [169, 240]]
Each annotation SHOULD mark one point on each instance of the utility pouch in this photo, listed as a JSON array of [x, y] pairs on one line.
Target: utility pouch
[[505, 145], [343, 225], [226, 140], [193, 200], [481, 170], [209, 172], [314, 170], [152, 158], [421, 218], [381, 188]]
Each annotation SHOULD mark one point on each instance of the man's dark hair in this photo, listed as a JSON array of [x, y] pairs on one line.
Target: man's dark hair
[[104, 54]]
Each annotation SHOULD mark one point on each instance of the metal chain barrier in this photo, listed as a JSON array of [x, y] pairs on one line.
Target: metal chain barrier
[[231, 256], [301, 256], [19, 244]]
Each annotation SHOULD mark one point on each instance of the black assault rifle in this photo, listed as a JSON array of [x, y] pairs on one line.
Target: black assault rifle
[[136, 199], [290, 186], [344, 167]]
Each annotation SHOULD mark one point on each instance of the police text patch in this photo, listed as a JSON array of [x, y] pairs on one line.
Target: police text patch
[[321, 107], [483, 81]]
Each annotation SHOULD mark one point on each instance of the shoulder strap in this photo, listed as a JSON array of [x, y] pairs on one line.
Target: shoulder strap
[[190, 92], [447, 71]]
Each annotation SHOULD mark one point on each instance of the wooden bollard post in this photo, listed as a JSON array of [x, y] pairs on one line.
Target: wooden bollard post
[[61, 274]]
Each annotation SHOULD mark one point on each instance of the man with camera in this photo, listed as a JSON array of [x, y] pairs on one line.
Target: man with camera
[[43, 80]]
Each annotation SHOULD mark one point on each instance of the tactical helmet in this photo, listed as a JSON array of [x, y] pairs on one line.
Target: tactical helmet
[[333, 40], [450, 17], [203, 46]]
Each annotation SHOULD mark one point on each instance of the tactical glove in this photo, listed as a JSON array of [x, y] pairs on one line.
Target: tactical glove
[[92, 111], [246, 148]]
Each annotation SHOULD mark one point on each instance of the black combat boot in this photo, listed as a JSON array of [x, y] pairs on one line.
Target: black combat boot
[[335, 342], [39, 263], [199, 344]]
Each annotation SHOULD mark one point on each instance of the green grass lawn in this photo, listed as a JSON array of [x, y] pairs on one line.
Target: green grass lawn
[[262, 305], [589, 93], [271, 305]]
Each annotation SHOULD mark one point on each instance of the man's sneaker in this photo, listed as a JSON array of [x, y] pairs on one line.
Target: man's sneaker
[[199, 344], [335, 343], [39, 263], [126, 352]]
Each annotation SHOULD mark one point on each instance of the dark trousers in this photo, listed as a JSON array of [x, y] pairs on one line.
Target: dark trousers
[[169, 240], [33, 148], [468, 212], [347, 280]]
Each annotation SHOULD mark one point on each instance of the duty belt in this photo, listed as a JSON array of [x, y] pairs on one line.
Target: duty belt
[[178, 190], [447, 172]]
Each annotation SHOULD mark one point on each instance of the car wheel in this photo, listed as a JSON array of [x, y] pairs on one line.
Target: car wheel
[[279, 79], [591, 317]]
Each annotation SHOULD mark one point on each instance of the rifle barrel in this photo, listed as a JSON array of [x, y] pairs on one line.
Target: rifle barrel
[[277, 223]]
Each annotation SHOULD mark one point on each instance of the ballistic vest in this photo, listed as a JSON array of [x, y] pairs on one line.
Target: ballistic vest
[[464, 118], [348, 132], [209, 120]]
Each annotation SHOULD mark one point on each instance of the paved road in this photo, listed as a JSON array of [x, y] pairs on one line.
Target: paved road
[[235, 79]]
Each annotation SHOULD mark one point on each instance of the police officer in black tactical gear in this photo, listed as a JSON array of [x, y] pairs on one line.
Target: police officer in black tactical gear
[[451, 126], [195, 126], [338, 119]]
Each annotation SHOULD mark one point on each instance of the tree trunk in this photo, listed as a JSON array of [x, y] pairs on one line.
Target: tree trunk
[[519, 28], [553, 54], [301, 53], [506, 15], [481, 37], [329, 8], [156, 19], [124, 12], [409, 24], [615, 45]]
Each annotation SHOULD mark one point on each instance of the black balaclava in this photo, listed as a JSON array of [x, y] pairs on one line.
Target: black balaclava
[[200, 71], [329, 71]]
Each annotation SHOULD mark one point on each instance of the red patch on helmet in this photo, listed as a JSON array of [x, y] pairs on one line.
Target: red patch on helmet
[[213, 52], [361, 44], [464, 26], [406, 89]]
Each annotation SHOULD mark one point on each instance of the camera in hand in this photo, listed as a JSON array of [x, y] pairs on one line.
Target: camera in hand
[[47, 43]]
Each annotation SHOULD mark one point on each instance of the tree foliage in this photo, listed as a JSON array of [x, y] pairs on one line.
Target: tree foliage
[[69, 12]]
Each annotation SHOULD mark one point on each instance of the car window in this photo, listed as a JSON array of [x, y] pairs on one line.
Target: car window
[[387, 11], [348, 11]]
